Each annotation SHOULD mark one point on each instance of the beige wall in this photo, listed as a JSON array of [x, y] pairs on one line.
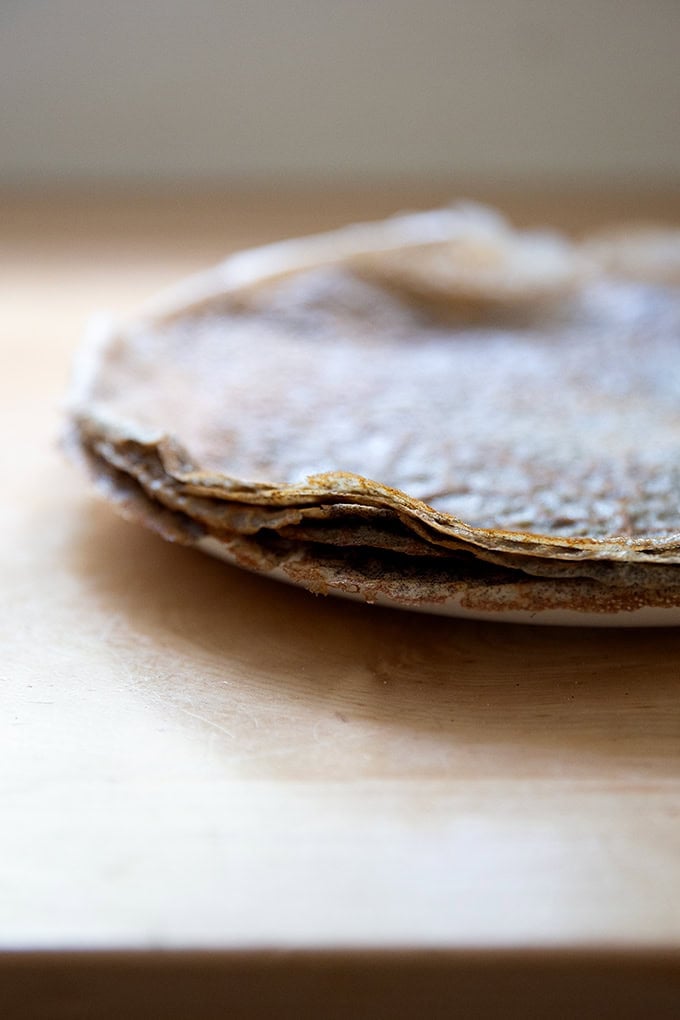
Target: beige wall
[[213, 88]]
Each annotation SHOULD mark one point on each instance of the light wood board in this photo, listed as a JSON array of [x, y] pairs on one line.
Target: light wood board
[[196, 758]]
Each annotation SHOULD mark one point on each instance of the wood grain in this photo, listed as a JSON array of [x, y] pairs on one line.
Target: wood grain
[[193, 757]]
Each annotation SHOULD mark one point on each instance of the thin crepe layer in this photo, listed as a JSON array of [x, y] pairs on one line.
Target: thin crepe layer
[[338, 524], [377, 574]]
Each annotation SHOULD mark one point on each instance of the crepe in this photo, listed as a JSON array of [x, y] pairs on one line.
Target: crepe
[[435, 406]]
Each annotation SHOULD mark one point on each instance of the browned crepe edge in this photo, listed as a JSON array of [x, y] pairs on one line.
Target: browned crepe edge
[[345, 525], [378, 575]]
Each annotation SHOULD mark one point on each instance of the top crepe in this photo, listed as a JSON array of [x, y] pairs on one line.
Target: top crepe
[[435, 386]]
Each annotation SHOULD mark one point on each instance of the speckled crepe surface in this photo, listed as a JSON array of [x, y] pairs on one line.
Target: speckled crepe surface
[[346, 406]]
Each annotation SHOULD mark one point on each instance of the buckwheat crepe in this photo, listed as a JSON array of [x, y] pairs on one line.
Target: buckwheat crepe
[[431, 408]]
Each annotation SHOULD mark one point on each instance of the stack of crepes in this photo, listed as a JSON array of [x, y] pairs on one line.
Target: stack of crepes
[[430, 410]]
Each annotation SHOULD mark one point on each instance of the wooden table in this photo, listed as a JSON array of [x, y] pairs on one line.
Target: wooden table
[[223, 796]]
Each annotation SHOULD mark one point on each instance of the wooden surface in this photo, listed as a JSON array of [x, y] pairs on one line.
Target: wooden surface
[[194, 758]]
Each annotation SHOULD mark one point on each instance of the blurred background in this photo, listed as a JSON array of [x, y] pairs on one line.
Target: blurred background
[[213, 91], [140, 142]]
